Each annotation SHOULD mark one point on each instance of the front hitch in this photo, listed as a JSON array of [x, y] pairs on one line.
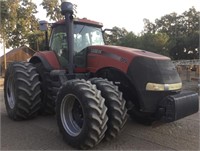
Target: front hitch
[[174, 107]]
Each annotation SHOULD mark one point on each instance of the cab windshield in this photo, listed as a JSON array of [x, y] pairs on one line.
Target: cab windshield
[[84, 36]]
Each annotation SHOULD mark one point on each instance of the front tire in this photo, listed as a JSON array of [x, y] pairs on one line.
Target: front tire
[[81, 114], [22, 91], [117, 112], [49, 89]]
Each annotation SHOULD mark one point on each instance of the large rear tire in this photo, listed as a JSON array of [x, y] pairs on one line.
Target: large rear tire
[[22, 91], [81, 114], [117, 112]]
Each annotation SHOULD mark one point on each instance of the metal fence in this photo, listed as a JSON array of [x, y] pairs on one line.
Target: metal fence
[[186, 62], [188, 73]]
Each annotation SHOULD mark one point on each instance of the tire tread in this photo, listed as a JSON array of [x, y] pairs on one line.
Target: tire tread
[[117, 112]]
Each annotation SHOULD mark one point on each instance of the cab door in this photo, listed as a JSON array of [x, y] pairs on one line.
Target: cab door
[[58, 44]]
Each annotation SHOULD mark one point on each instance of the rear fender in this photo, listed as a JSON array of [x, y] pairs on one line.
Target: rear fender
[[48, 59]]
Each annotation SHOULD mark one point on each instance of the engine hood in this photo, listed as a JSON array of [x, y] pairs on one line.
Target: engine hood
[[141, 70], [127, 53]]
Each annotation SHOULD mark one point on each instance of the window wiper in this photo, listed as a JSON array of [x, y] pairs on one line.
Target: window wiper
[[81, 29]]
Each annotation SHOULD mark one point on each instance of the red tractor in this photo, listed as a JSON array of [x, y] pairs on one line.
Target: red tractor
[[92, 86]]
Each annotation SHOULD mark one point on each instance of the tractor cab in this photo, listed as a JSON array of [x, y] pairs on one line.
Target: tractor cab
[[85, 33]]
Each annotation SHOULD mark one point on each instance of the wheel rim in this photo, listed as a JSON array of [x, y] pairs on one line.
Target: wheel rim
[[72, 116], [10, 93]]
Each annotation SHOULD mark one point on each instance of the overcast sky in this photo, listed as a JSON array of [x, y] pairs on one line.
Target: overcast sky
[[128, 13]]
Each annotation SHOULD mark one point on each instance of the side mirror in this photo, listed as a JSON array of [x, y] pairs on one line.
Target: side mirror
[[43, 25], [106, 39], [107, 29]]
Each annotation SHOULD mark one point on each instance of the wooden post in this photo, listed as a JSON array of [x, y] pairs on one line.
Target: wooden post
[[197, 70], [37, 45], [188, 73], [179, 69], [4, 50]]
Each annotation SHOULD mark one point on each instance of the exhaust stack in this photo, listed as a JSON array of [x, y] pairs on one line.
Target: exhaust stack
[[67, 11]]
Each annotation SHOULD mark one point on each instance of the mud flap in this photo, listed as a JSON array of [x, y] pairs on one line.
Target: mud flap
[[177, 106]]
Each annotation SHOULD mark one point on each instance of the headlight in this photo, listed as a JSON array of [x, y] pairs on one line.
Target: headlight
[[163, 87]]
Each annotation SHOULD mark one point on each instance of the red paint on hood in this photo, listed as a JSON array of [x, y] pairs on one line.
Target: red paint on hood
[[129, 52], [116, 57]]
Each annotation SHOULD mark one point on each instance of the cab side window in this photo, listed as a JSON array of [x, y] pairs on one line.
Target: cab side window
[[58, 44]]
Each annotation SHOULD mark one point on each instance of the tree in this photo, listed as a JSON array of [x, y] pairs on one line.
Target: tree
[[186, 47], [16, 26], [148, 26], [147, 41], [37, 40], [157, 43], [130, 40], [183, 32], [8, 19], [115, 35], [53, 9]]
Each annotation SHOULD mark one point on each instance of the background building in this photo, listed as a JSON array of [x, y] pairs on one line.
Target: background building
[[23, 53]]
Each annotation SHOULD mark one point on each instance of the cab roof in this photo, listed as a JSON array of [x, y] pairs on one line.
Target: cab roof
[[84, 21]]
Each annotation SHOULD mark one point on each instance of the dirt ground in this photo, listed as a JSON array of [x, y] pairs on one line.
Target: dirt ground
[[42, 133]]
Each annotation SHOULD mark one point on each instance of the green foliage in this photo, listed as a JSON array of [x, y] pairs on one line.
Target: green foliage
[[183, 32], [8, 18], [157, 43], [147, 41], [172, 35], [115, 36], [37, 40], [130, 40], [53, 9], [18, 22], [21, 25], [185, 47]]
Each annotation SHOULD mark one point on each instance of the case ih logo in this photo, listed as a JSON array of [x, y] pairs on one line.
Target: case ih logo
[[111, 55]]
